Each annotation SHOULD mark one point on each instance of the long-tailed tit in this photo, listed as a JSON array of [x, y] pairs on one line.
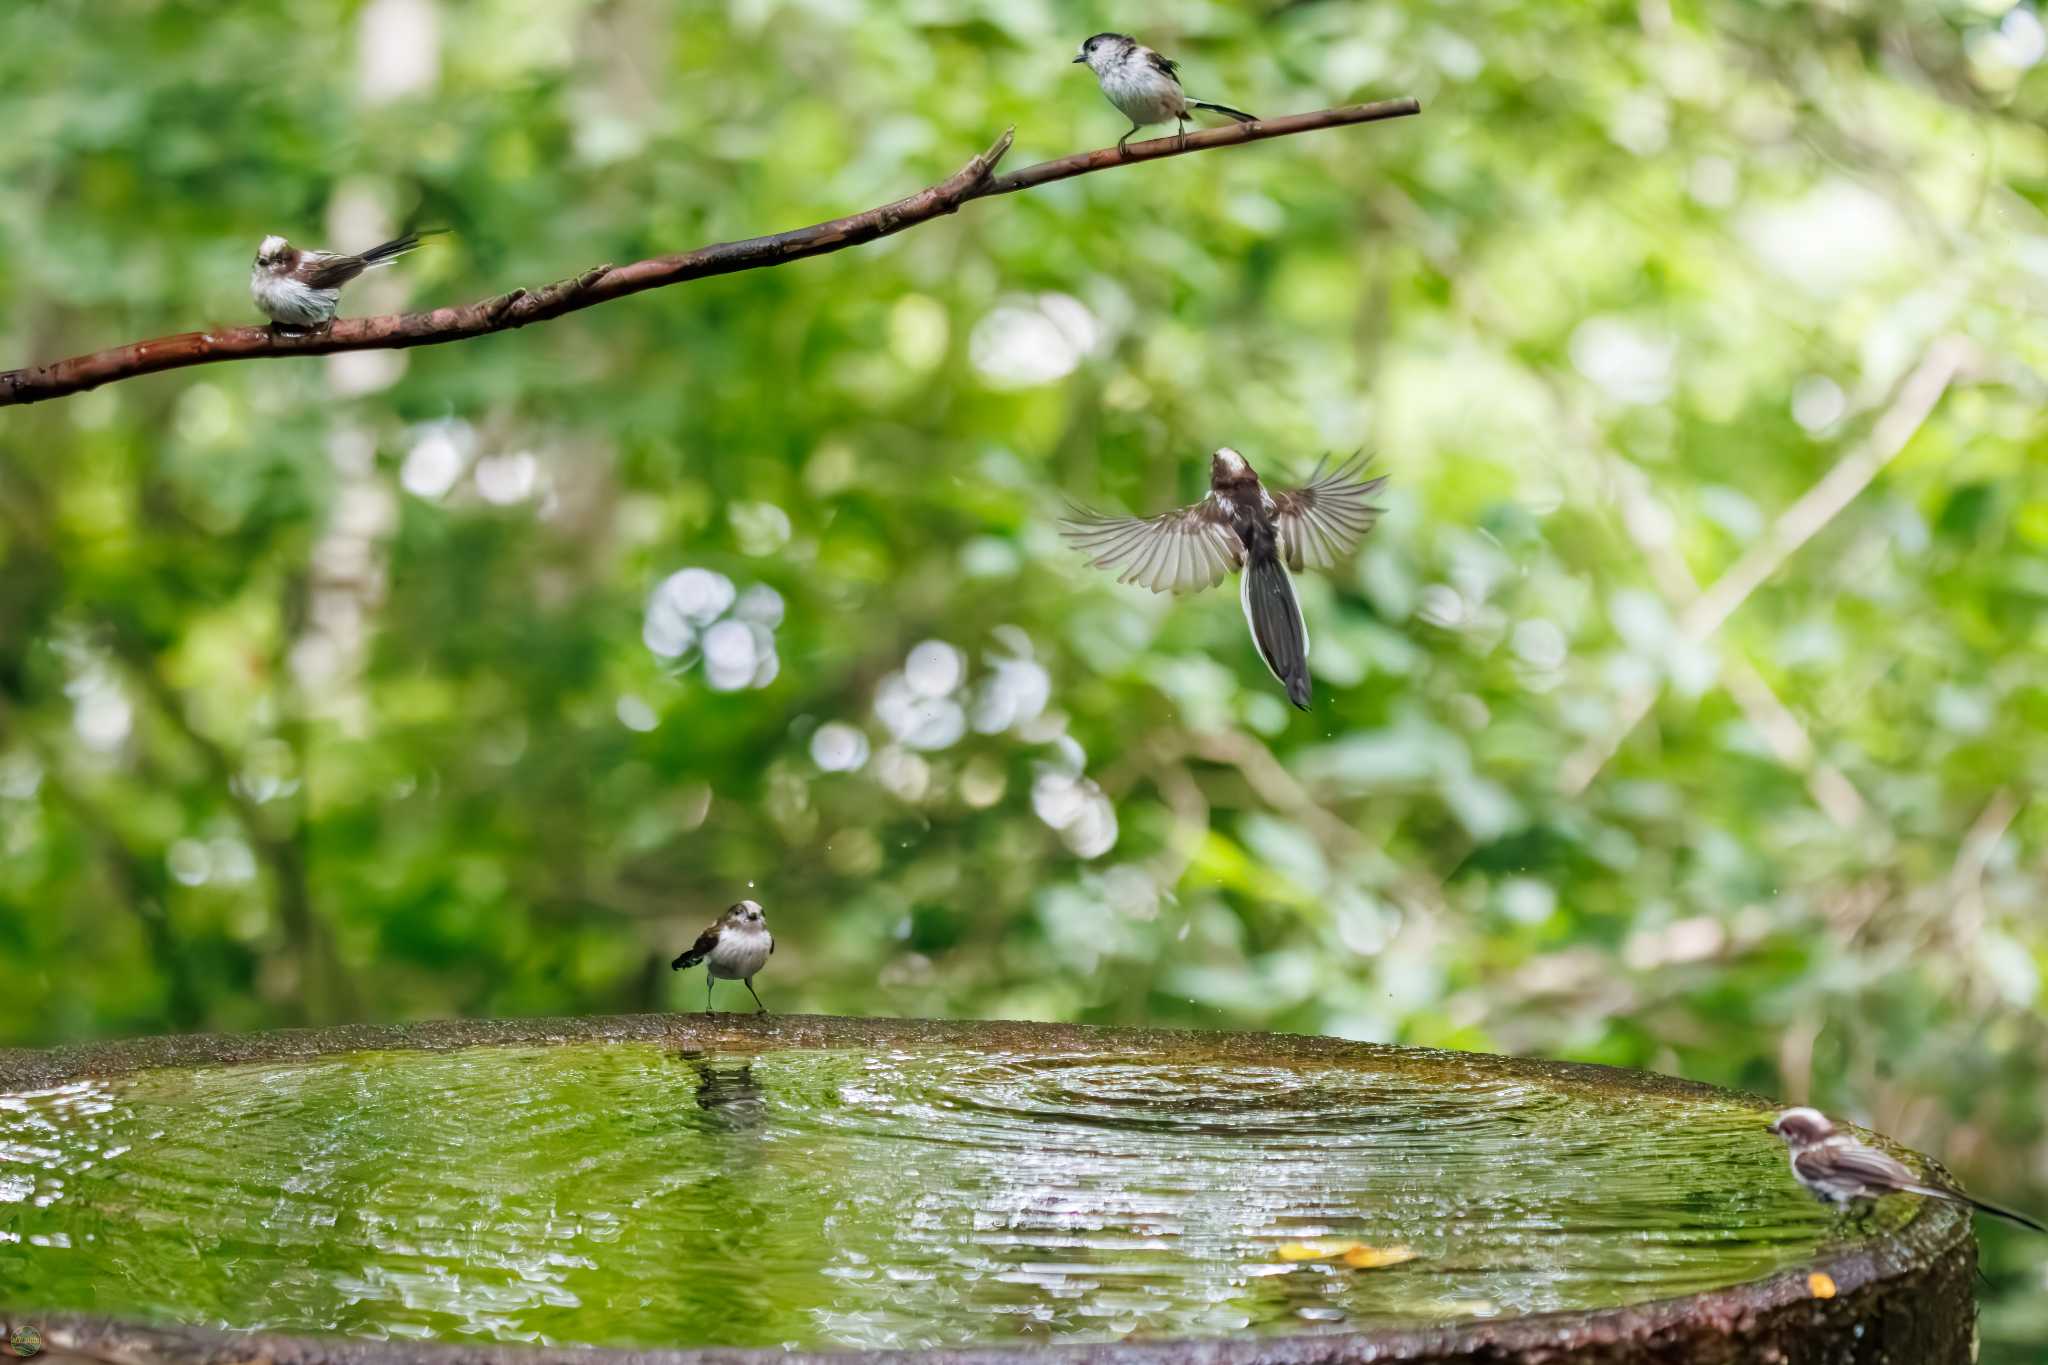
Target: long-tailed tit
[[1240, 525], [1837, 1169], [1144, 86], [733, 949], [301, 289]]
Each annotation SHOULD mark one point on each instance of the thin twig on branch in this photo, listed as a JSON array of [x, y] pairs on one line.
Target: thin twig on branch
[[520, 307], [1914, 403], [1647, 522]]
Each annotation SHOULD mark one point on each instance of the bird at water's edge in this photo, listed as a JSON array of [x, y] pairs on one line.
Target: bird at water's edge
[[1240, 525], [733, 949], [1144, 86], [1837, 1169]]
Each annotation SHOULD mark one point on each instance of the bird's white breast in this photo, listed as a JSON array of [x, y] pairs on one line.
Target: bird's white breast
[[286, 300], [739, 953], [1143, 93]]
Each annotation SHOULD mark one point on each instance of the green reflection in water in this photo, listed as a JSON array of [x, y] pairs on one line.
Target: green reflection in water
[[628, 1195]]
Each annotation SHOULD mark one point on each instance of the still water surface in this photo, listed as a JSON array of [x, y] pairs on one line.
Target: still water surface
[[629, 1195]]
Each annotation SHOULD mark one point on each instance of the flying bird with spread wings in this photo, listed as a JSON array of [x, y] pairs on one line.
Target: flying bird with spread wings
[[1242, 526]]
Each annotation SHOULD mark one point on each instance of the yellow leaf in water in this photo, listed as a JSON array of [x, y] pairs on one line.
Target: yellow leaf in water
[[1318, 1251], [1357, 1255], [1823, 1286], [1372, 1258]]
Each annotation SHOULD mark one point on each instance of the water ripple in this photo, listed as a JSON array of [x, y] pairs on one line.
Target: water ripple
[[626, 1195]]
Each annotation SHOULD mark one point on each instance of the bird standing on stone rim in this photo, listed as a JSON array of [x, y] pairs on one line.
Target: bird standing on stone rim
[[734, 949], [1838, 1170], [1240, 525], [1144, 86]]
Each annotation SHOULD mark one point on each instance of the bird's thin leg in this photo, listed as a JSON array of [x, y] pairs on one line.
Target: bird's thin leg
[[1122, 147], [756, 994], [707, 992], [1181, 129]]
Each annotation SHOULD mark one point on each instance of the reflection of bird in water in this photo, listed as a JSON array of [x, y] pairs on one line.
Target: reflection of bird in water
[[729, 1095]]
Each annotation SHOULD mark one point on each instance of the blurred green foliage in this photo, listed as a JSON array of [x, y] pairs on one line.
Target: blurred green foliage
[[326, 688]]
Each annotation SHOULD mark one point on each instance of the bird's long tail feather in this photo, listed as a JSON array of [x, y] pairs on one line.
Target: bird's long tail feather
[[1277, 628], [1240, 115], [1982, 1205], [688, 959], [397, 246]]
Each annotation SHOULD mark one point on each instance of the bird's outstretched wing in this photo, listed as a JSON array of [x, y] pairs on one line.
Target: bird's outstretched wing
[[1321, 521], [1182, 551]]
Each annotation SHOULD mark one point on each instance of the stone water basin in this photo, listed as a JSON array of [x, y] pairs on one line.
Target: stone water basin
[[813, 1185]]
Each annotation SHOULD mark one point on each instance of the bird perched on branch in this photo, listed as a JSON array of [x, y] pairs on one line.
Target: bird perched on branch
[[1144, 86], [302, 289], [733, 949], [1837, 1169], [1240, 525]]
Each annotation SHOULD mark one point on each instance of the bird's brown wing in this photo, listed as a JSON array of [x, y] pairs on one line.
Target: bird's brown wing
[[1866, 1165], [1321, 521], [699, 950], [323, 270], [1181, 551]]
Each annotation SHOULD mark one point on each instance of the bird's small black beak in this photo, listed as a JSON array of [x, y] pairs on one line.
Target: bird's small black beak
[[1078, 60]]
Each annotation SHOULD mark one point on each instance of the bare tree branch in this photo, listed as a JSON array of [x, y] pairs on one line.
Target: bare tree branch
[[1647, 522], [1821, 503], [1914, 404], [601, 284], [1960, 918]]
